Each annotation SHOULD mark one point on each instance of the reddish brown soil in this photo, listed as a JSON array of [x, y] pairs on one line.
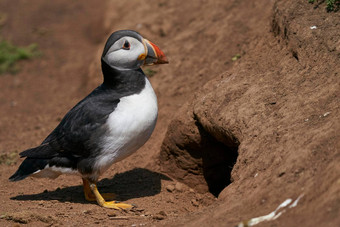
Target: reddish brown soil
[[278, 106]]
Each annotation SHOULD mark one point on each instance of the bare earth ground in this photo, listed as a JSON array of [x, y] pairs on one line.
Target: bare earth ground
[[279, 101]]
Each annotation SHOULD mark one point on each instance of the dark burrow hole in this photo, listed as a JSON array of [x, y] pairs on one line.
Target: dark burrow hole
[[218, 160]]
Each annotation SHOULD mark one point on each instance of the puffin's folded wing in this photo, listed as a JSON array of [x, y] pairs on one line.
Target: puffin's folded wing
[[78, 132]]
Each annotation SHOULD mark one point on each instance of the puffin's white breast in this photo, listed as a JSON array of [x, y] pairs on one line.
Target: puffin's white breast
[[129, 126]]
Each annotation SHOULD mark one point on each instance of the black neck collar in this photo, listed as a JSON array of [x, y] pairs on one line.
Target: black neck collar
[[123, 80]]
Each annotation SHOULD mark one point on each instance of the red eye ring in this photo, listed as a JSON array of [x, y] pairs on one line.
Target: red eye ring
[[126, 45]]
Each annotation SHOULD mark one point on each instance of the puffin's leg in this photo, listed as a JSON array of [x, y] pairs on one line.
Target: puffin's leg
[[89, 196], [101, 201]]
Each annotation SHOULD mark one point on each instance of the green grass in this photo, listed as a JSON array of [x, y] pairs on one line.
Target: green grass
[[10, 55], [236, 57], [9, 159], [331, 5]]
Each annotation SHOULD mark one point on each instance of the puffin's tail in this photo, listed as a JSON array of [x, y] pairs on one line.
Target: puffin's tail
[[36, 159], [28, 167]]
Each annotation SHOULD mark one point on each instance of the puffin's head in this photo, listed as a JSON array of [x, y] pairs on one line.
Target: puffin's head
[[126, 50]]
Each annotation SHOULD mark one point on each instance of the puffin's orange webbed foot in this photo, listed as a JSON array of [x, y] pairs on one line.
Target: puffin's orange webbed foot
[[92, 194]]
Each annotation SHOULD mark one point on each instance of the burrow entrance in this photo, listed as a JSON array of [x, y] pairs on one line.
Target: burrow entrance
[[203, 159], [218, 159]]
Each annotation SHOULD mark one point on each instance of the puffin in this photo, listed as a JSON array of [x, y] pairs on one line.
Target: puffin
[[108, 125]]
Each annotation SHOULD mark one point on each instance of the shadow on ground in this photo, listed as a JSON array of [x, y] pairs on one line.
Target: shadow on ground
[[135, 183]]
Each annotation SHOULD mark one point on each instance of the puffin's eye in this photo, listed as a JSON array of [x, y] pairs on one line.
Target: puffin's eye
[[126, 45]]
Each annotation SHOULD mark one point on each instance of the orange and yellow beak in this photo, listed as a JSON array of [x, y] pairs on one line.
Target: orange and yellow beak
[[153, 55]]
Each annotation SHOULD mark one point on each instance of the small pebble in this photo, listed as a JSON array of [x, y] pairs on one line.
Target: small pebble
[[170, 188], [179, 187], [163, 213], [112, 215], [325, 114], [147, 213], [160, 216], [194, 202], [87, 212]]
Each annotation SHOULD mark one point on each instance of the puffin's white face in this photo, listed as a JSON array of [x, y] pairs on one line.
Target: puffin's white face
[[126, 53], [128, 50]]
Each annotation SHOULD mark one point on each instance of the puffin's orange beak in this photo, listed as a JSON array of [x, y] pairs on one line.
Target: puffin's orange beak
[[154, 55]]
